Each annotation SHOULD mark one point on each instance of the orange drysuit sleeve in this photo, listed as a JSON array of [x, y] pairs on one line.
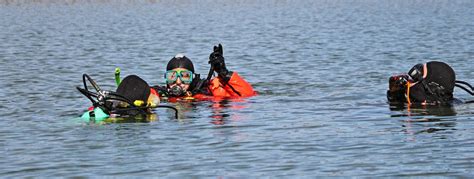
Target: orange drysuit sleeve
[[235, 87]]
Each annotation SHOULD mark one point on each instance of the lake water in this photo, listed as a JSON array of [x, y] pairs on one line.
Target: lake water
[[321, 69]]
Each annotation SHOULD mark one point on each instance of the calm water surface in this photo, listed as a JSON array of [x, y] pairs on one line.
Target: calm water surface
[[321, 68]]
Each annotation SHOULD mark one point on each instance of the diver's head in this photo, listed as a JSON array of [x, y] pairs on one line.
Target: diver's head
[[398, 85], [179, 75], [180, 61]]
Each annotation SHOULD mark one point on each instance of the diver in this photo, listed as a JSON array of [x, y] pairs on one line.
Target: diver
[[183, 82], [431, 83], [133, 97]]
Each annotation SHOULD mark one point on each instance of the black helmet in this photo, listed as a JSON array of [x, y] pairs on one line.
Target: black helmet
[[180, 61]]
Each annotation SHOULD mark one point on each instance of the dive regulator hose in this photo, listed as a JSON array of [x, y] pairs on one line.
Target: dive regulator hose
[[465, 88]]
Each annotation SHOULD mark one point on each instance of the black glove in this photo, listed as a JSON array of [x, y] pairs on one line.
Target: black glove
[[216, 59], [398, 82], [397, 88]]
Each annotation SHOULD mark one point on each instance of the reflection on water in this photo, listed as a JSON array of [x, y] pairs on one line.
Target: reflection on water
[[413, 127], [416, 120], [143, 118], [221, 109], [423, 110]]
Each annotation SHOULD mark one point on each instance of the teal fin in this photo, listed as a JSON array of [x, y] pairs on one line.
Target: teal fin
[[100, 115]]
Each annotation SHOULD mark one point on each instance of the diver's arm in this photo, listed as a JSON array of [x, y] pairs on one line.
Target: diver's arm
[[216, 59], [228, 83], [235, 86]]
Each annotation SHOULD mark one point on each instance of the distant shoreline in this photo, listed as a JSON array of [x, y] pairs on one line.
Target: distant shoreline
[[71, 2]]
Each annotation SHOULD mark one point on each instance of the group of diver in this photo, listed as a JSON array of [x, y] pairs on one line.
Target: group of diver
[[431, 83], [182, 83]]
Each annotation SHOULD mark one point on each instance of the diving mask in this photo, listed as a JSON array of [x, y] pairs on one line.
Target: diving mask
[[185, 76]]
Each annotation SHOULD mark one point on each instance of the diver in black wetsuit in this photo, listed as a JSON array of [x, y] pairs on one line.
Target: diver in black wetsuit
[[431, 83]]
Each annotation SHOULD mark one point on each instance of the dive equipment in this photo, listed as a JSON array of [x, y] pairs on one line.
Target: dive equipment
[[117, 76], [121, 102], [177, 91], [459, 84], [186, 76]]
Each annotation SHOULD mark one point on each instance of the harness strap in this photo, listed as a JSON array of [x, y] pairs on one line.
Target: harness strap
[[407, 95]]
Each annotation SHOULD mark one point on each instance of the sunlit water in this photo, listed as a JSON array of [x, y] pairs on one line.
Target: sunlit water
[[320, 67]]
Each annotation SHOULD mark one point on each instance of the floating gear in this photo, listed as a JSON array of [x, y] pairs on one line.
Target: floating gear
[[125, 101]]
